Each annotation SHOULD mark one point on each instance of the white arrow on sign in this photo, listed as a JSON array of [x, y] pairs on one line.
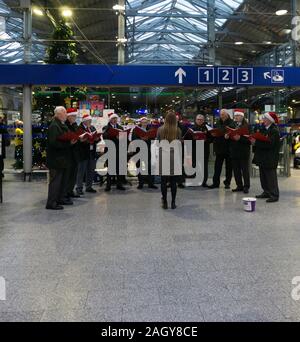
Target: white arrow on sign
[[267, 75], [180, 72]]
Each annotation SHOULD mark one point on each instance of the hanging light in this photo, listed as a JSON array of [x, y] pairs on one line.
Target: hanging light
[[66, 12], [281, 12], [37, 11]]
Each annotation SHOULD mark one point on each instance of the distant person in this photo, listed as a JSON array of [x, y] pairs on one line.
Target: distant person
[[183, 128], [266, 157], [58, 161], [5, 142], [221, 149], [170, 132], [240, 155], [201, 126]]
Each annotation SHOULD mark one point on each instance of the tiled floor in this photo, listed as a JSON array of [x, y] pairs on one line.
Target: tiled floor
[[116, 257]]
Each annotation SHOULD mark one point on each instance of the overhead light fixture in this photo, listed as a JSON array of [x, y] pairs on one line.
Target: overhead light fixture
[[122, 40], [119, 8], [66, 12], [37, 11], [239, 43], [267, 43], [281, 12]]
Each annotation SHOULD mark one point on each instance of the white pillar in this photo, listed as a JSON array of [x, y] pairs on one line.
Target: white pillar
[[121, 33]]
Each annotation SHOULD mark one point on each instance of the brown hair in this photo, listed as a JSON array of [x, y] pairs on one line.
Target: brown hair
[[170, 128]]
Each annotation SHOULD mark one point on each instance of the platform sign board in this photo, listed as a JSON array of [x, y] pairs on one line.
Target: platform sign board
[[148, 75]]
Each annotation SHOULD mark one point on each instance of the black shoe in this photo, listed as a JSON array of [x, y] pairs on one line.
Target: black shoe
[[165, 205], [91, 190], [213, 186], [246, 191], [204, 185], [173, 205], [107, 189], [121, 188], [65, 202], [55, 207], [263, 196], [272, 200], [238, 190], [79, 192], [140, 186], [2, 175], [227, 186], [181, 186], [152, 186]]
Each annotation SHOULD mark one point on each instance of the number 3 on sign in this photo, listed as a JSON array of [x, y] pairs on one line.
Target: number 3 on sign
[[245, 76], [226, 76]]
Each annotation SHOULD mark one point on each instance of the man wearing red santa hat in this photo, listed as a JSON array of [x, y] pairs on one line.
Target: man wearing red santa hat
[[113, 123], [266, 156], [87, 157]]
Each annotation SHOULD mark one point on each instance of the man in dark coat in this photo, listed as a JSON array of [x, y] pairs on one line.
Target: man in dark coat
[[88, 157], [75, 153], [58, 161], [240, 154], [184, 128], [113, 123], [5, 141], [201, 126], [149, 178], [221, 149], [266, 157]]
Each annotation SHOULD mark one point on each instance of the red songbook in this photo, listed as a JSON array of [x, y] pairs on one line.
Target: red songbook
[[90, 137], [114, 132], [68, 137], [238, 131], [195, 135], [260, 137], [149, 135], [217, 133]]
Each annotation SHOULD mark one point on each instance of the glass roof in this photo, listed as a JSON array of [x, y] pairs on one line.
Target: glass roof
[[11, 33], [171, 30]]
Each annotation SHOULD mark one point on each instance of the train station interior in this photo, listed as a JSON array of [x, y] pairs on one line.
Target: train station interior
[[116, 249]]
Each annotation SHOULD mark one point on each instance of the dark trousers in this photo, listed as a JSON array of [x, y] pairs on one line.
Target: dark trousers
[[164, 186], [269, 181], [241, 173], [58, 184], [72, 177], [220, 158], [86, 170], [1, 166]]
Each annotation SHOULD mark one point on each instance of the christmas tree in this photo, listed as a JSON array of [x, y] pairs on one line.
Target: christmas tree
[[62, 50]]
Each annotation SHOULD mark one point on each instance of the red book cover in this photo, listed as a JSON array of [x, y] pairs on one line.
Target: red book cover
[[196, 135], [217, 133], [114, 132], [238, 131], [151, 134], [68, 137], [260, 137]]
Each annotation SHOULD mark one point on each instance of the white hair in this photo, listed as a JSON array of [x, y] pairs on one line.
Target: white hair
[[58, 109]]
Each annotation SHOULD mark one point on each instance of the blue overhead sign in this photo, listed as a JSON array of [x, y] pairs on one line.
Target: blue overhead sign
[[148, 75]]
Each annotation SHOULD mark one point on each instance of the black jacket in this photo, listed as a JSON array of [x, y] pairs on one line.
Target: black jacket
[[105, 133], [58, 153], [266, 154], [221, 145], [85, 151], [5, 140], [209, 139], [75, 149], [240, 149]]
